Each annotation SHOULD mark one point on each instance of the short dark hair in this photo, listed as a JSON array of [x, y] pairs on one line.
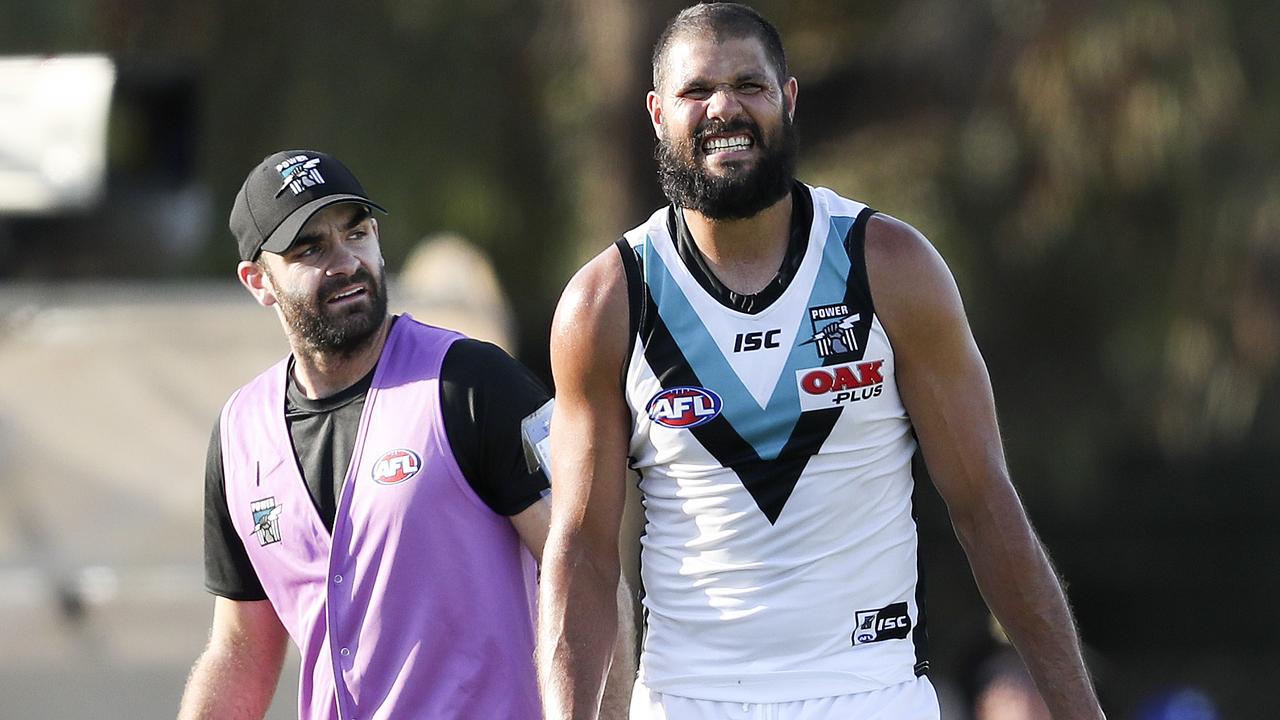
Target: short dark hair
[[720, 20]]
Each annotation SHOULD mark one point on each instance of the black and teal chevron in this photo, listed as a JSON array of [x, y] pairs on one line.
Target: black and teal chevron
[[767, 448]]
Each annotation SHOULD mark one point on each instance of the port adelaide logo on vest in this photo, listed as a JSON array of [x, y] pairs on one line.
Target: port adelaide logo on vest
[[396, 466], [266, 520], [684, 407], [839, 334], [836, 330], [888, 623]]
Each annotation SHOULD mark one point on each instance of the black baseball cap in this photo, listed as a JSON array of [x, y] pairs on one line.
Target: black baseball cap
[[283, 192]]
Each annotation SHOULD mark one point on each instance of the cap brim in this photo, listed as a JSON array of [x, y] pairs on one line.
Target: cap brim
[[283, 236]]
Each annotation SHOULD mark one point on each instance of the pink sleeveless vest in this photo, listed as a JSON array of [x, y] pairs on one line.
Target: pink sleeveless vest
[[421, 604]]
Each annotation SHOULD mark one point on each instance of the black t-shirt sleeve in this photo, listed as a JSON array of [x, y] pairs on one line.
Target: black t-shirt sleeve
[[485, 393], [227, 570]]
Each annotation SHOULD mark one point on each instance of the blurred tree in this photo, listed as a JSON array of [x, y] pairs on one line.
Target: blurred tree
[[1103, 178]]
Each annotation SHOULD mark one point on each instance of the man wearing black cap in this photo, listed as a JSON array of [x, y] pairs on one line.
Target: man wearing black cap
[[367, 496]]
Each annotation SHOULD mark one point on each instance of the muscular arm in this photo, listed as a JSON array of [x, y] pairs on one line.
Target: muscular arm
[[236, 675], [947, 392], [578, 617], [532, 525]]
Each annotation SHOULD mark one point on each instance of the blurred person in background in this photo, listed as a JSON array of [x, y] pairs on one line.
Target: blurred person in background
[[1186, 702], [367, 496], [767, 354], [1006, 692]]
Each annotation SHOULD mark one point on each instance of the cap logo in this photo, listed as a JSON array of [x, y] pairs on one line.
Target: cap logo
[[299, 173]]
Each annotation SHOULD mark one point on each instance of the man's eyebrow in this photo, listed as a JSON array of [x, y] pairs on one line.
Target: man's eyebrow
[[693, 81], [304, 240], [702, 81], [759, 76], [361, 214]]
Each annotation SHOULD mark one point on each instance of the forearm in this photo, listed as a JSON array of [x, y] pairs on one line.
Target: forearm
[[590, 430], [1017, 580], [577, 628], [223, 685], [615, 703]]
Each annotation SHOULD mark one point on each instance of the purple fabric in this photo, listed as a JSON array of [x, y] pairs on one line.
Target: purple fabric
[[421, 605]]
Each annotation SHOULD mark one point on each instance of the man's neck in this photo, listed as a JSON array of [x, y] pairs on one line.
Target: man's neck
[[320, 374], [744, 254]]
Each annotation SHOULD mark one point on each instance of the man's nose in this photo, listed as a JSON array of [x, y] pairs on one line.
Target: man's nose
[[342, 261], [723, 104]]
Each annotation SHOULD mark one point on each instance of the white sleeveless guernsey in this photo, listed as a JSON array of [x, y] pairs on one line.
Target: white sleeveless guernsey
[[779, 555]]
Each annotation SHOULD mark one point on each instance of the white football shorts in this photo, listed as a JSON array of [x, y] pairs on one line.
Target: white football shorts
[[914, 700]]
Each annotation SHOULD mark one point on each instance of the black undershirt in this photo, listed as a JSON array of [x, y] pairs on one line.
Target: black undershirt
[[485, 394], [797, 242]]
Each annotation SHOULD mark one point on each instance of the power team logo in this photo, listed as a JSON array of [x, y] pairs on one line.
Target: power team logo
[[837, 385], [888, 623], [299, 173], [266, 520], [834, 330], [684, 407], [396, 466]]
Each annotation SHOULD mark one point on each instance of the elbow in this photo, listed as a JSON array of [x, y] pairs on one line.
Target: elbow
[[990, 505], [573, 552]]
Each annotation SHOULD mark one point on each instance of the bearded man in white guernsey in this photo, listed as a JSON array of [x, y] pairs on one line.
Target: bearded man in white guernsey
[[767, 354]]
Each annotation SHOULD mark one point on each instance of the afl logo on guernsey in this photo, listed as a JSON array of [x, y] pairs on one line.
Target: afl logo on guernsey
[[684, 407], [396, 466]]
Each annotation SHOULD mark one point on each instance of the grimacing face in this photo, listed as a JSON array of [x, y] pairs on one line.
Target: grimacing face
[[330, 285], [726, 143]]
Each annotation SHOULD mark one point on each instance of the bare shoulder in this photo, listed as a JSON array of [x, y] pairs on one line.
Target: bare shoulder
[[912, 287], [592, 319], [598, 288]]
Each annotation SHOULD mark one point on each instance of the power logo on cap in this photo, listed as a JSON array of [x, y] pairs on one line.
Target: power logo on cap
[[684, 407], [396, 466], [299, 173]]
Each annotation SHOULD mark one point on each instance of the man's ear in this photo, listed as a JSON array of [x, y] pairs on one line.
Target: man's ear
[[790, 89], [255, 279], [373, 225], [653, 102]]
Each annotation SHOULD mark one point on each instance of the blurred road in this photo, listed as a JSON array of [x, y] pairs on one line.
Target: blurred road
[[107, 397], [108, 393]]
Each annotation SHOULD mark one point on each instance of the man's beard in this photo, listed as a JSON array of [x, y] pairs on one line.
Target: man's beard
[[339, 331], [738, 193]]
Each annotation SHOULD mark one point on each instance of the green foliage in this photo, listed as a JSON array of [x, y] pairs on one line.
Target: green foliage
[[1103, 178]]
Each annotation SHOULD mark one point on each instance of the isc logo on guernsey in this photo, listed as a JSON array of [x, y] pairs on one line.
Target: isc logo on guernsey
[[684, 407]]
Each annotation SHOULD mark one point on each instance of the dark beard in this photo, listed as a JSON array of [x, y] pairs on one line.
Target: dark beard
[[342, 331], [739, 193]]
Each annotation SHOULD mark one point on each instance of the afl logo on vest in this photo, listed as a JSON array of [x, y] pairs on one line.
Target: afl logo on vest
[[396, 466], [684, 407]]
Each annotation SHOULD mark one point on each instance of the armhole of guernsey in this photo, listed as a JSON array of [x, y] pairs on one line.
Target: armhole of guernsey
[[635, 302], [855, 244]]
